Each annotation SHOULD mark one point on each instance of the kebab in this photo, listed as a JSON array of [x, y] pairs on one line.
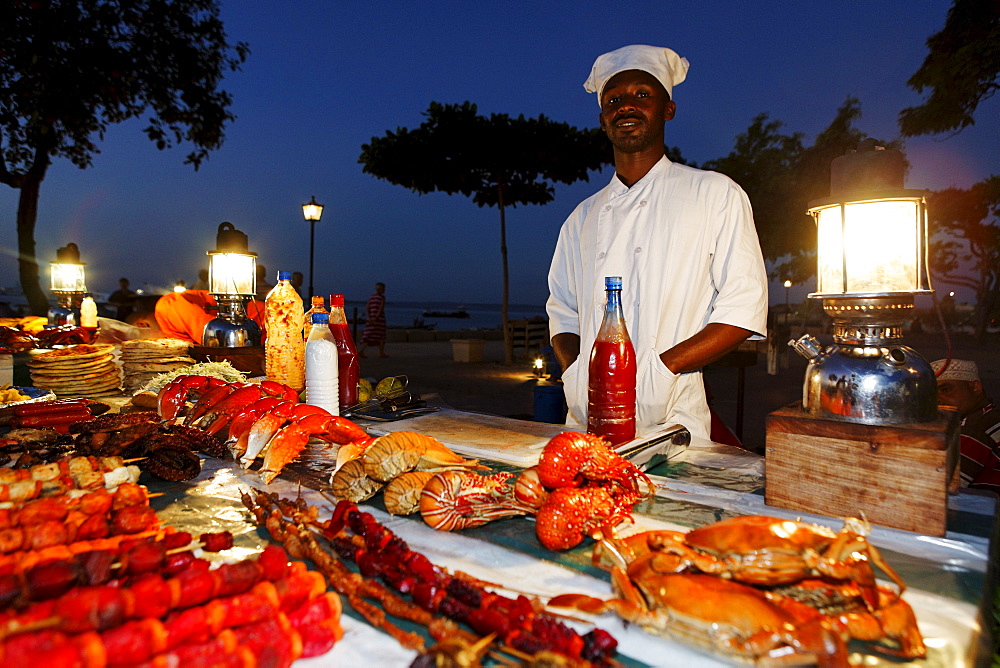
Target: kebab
[[387, 557], [90, 502], [253, 618], [292, 614], [64, 476]]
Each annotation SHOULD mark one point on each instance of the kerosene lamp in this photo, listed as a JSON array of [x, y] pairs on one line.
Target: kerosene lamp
[[232, 280], [872, 247], [69, 286]]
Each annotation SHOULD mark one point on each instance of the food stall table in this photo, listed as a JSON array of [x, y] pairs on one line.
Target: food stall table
[[950, 582]]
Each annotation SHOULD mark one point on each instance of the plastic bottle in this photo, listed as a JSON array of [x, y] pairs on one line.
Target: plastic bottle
[[322, 387], [611, 395], [350, 370], [284, 350], [88, 316], [318, 306]]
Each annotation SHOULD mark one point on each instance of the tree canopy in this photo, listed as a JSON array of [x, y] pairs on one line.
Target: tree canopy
[[781, 175], [496, 160], [961, 70], [965, 242], [70, 69]]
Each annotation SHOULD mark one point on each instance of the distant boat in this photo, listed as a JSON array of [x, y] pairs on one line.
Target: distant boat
[[460, 312]]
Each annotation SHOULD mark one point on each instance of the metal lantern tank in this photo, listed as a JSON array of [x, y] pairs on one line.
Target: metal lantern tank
[[872, 248], [232, 280]]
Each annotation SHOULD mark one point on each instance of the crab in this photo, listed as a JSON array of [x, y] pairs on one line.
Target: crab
[[738, 577], [771, 551], [724, 617]]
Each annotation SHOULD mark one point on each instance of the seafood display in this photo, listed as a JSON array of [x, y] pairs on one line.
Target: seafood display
[[438, 600], [370, 465], [579, 487], [258, 420], [758, 588], [94, 579]]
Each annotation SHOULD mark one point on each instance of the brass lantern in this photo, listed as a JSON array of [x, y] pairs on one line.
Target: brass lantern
[[232, 280], [872, 248], [69, 284]]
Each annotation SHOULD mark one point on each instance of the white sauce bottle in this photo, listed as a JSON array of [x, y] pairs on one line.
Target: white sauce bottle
[[322, 382]]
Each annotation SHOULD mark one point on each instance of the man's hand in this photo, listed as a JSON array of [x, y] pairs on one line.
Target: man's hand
[[708, 345], [566, 347]]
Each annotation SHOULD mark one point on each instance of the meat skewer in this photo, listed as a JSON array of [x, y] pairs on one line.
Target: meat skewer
[[266, 607]]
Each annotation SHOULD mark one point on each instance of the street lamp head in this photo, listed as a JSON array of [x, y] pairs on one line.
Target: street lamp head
[[312, 211]]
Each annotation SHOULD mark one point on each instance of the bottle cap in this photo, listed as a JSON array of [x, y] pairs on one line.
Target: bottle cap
[[612, 282], [320, 318], [336, 300], [317, 300], [284, 275]]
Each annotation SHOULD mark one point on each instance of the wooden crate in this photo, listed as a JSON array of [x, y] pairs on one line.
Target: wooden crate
[[896, 475]]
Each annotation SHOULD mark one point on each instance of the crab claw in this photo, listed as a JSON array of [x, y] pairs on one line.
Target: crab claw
[[207, 401], [173, 395], [290, 440], [280, 390], [220, 414], [268, 424], [243, 420]]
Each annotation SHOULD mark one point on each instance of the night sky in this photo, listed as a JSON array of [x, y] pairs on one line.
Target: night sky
[[324, 78]]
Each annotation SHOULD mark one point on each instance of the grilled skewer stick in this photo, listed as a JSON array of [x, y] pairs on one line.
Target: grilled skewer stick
[[433, 589]]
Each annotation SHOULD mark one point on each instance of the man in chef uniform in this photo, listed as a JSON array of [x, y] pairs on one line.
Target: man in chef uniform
[[683, 240]]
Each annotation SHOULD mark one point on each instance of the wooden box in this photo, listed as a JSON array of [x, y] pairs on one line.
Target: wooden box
[[896, 475]]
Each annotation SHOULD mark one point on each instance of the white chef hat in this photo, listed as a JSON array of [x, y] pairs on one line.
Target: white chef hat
[[957, 370], [664, 64]]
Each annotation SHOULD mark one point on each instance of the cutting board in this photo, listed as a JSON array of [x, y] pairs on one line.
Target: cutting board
[[501, 439]]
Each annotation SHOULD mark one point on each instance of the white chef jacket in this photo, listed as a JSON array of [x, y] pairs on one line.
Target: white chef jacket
[[684, 243]]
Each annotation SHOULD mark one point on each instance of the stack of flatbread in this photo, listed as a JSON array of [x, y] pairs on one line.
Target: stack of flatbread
[[143, 359], [85, 370]]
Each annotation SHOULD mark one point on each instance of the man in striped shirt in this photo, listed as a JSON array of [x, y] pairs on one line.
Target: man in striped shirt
[[960, 388]]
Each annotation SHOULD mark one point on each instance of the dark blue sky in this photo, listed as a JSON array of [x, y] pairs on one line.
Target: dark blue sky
[[325, 77]]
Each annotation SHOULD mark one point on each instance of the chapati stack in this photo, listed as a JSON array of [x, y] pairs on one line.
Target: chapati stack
[[85, 370], [143, 359]]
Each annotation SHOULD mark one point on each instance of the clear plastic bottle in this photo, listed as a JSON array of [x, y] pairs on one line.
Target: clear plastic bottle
[[350, 369], [284, 350], [318, 306], [611, 394], [88, 316], [322, 386]]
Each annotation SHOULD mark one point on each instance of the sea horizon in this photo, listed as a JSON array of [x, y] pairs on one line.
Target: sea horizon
[[415, 314]]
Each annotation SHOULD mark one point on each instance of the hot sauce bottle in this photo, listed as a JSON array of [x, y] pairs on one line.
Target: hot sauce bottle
[[611, 394], [350, 370]]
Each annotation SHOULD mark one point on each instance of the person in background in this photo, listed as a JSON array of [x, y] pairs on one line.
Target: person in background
[[374, 334], [960, 389], [682, 239], [202, 282], [183, 315], [123, 299], [263, 287], [296, 282]]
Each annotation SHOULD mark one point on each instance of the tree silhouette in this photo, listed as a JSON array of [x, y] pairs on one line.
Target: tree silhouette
[[70, 69], [961, 70], [497, 161], [965, 245], [781, 175]]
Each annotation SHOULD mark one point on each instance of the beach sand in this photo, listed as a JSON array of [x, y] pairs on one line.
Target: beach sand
[[493, 388]]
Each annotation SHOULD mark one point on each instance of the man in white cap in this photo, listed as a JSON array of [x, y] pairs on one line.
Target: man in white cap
[[960, 388], [682, 239]]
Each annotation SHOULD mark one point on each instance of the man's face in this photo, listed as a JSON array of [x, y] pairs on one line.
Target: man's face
[[962, 395], [634, 107]]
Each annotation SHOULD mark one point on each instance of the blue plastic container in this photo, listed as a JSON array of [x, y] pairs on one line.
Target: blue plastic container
[[550, 403]]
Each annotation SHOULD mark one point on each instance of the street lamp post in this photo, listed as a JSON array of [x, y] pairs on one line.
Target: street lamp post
[[312, 212], [788, 284]]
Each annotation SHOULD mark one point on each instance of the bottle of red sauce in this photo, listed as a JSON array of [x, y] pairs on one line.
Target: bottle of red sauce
[[347, 352], [611, 395]]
